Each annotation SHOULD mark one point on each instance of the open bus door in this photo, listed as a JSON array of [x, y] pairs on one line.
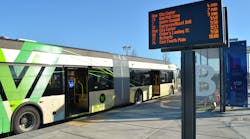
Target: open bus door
[[76, 91], [156, 83]]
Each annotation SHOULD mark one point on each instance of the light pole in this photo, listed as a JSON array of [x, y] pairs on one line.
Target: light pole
[[126, 48]]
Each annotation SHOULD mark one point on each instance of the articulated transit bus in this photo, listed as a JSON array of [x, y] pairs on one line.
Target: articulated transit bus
[[42, 83]]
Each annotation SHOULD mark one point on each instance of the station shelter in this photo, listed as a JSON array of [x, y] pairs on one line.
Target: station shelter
[[221, 77]]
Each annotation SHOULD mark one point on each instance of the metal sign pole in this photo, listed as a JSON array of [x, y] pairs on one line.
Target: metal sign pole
[[222, 79], [188, 94], [223, 64]]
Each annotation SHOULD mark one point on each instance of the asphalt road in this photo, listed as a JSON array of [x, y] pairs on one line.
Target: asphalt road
[[155, 119]]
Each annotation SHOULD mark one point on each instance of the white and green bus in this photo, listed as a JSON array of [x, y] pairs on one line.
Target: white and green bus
[[42, 83]]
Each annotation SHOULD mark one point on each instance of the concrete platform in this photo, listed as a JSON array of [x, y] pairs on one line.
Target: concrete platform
[[155, 119]]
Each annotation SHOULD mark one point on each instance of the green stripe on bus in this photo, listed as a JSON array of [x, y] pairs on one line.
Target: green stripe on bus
[[102, 72], [27, 49], [42, 84], [2, 58], [4, 119], [34, 46], [15, 103], [44, 79], [17, 93], [35, 99]]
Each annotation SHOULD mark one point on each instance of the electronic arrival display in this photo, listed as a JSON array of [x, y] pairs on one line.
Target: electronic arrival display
[[191, 25]]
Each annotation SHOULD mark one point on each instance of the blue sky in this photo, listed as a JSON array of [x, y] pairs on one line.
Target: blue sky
[[103, 25]]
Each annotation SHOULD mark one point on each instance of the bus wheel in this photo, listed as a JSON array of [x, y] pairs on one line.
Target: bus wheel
[[26, 119], [138, 97]]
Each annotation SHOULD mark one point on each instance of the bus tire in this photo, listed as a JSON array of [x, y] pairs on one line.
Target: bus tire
[[138, 97], [26, 119]]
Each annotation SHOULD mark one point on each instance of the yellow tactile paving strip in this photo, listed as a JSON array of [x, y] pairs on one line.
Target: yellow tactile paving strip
[[83, 123]]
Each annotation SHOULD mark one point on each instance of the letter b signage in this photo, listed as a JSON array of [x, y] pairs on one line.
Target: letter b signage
[[205, 86]]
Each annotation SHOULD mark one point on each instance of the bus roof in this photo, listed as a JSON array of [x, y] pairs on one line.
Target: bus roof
[[17, 44]]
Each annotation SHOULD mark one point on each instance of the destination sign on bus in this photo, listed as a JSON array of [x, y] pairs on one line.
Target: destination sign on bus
[[191, 25]]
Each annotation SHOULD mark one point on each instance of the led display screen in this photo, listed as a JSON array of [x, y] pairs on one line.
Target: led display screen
[[191, 25]]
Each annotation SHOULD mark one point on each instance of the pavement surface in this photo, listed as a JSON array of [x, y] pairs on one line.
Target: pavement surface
[[154, 119]]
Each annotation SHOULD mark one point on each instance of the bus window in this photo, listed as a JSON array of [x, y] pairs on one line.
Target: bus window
[[140, 77], [100, 79], [55, 85], [170, 76], [166, 76]]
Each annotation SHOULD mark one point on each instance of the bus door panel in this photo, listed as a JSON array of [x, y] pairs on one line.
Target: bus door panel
[[77, 90], [156, 83]]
